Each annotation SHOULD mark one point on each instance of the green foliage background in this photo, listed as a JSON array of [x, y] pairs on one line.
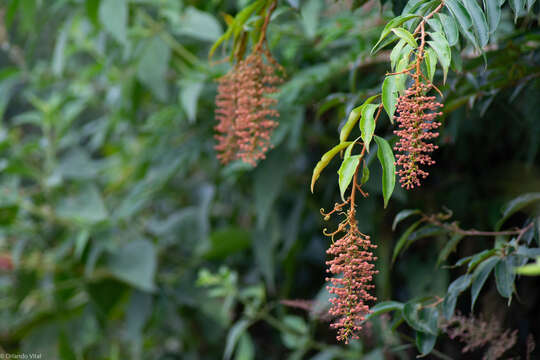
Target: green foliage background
[[130, 241]]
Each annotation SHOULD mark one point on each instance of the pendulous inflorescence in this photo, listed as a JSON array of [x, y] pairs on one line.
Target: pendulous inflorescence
[[245, 111], [353, 271], [417, 122]]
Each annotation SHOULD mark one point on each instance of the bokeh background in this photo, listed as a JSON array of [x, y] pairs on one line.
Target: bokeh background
[[121, 235]]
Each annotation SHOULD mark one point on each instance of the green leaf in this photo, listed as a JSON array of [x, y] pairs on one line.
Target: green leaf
[[310, 14], [269, 179], [236, 331], [153, 65], [325, 160], [480, 257], [367, 123], [515, 205], [113, 14], [449, 247], [384, 307], [479, 22], [86, 207], [365, 174], [530, 4], [530, 269], [354, 115], [297, 333], [456, 287], [346, 172], [504, 276], [450, 28], [493, 12], [353, 118], [421, 318], [435, 24], [135, 263], [386, 158], [405, 35], [227, 241], [517, 6], [425, 342], [189, 96], [431, 63], [480, 276], [463, 19], [395, 53], [199, 25], [403, 240], [394, 23], [390, 93], [442, 49], [402, 215]]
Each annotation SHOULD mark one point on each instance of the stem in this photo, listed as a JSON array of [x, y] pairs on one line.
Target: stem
[[473, 232], [262, 38]]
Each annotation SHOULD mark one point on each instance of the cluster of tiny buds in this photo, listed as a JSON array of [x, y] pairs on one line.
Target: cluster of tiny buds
[[353, 271], [244, 109], [416, 121]]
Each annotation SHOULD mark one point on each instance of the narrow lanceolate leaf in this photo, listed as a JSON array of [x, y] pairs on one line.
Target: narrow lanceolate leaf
[[367, 124], [390, 95], [365, 174], [403, 239], [346, 172], [349, 125], [504, 276], [386, 158], [402, 215], [456, 287], [325, 160], [479, 22], [493, 12], [450, 28], [517, 204], [384, 307], [353, 118], [431, 63], [395, 53], [463, 19], [405, 35], [517, 6], [480, 276], [425, 342], [442, 49], [449, 248], [530, 3], [395, 22]]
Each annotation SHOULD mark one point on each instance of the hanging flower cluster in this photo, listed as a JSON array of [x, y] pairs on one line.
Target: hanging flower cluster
[[353, 271], [245, 113], [416, 120]]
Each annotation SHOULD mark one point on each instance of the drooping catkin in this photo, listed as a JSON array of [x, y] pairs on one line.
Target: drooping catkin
[[245, 111]]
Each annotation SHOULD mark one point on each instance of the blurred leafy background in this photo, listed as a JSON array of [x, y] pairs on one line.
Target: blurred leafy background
[[122, 237]]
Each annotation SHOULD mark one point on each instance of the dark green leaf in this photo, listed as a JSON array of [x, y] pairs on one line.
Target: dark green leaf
[[236, 331], [456, 287], [325, 160], [449, 247], [479, 22], [114, 15], [384, 307], [450, 28], [386, 158], [493, 12], [402, 215], [346, 172], [504, 276], [403, 239], [515, 205], [480, 276], [394, 23], [425, 342], [367, 123], [135, 263], [390, 93]]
